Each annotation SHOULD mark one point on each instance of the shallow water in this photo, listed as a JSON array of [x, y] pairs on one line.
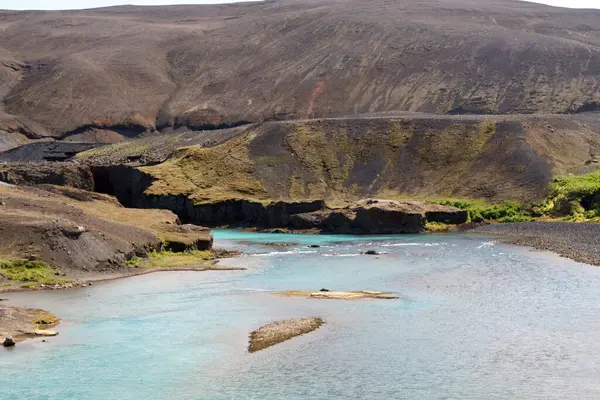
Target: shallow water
[[482, 320]]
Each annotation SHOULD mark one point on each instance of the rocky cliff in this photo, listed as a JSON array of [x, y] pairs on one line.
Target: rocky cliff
[[418, 157], [231, 176]]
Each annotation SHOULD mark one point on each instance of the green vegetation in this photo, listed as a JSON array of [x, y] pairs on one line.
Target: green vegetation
[[573, 197], [507, 211], [437, 227], [34, 272], [207, 175], [168, 259], [116, 148], [44, 319]]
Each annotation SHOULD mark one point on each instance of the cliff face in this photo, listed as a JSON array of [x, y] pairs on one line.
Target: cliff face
[[343, 160], [495, 158], [107, 74], [231, 177]]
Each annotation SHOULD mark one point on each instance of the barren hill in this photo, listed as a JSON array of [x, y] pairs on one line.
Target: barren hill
[[99, 75]]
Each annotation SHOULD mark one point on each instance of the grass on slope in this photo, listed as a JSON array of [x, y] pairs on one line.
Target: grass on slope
[[208, 175], [571, 198], [507, 211], [168, 259], [34, 272]]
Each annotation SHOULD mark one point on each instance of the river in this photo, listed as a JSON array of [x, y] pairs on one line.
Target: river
[[480, 320]]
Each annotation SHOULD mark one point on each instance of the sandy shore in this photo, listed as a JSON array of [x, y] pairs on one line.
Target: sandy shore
[[82, 279], [577, 241]]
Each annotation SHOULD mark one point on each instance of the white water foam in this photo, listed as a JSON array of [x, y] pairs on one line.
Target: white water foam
[[283, 253], [487, 244], [412, 244]]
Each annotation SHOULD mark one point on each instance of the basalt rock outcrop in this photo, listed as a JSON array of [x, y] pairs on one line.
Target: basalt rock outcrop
[[365, 217], [379, 217], [132, 186]]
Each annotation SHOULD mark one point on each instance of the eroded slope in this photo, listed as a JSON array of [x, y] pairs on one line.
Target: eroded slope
[[117, 72]]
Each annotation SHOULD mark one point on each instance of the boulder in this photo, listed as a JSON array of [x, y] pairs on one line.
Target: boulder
[[8, 342], [278, 214], [371, 253], [44, 332], [388, 217], [306, 221], [339, 221], [445, 214]]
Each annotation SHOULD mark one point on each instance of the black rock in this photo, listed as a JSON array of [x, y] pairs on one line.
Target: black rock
[[8, 342], [371, 253], [324, 290], [314, 246], [478, 219]]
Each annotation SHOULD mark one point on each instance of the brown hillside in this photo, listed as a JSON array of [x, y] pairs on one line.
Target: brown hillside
[[491, 157], [75, 230], [127, 70]]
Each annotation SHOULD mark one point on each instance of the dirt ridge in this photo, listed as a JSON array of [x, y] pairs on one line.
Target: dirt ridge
[[184, 66]]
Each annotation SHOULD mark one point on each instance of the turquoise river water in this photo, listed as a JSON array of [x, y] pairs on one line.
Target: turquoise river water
[[482, 320]]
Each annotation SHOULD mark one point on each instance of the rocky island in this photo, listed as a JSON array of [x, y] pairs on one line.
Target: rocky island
[[280, 331], [340, 295], [17, 324]]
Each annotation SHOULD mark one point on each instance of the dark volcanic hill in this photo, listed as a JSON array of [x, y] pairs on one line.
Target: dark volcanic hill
[[102, 74]]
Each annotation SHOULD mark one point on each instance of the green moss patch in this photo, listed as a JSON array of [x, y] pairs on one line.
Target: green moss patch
[[34, 272], [506, 211], [573, 198], [208, 175], [168, 259]]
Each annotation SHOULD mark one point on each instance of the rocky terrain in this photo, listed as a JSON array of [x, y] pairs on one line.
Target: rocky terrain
[[107, 74], [280, 331], [18, 324], [52, 235], [578, 241]]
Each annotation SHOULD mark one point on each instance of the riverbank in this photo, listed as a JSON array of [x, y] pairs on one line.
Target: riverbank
[[23, 323], [84, 280], [577, 241]]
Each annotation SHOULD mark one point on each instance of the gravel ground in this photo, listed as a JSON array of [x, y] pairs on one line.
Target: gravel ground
[[577, 241], [281, 331]]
